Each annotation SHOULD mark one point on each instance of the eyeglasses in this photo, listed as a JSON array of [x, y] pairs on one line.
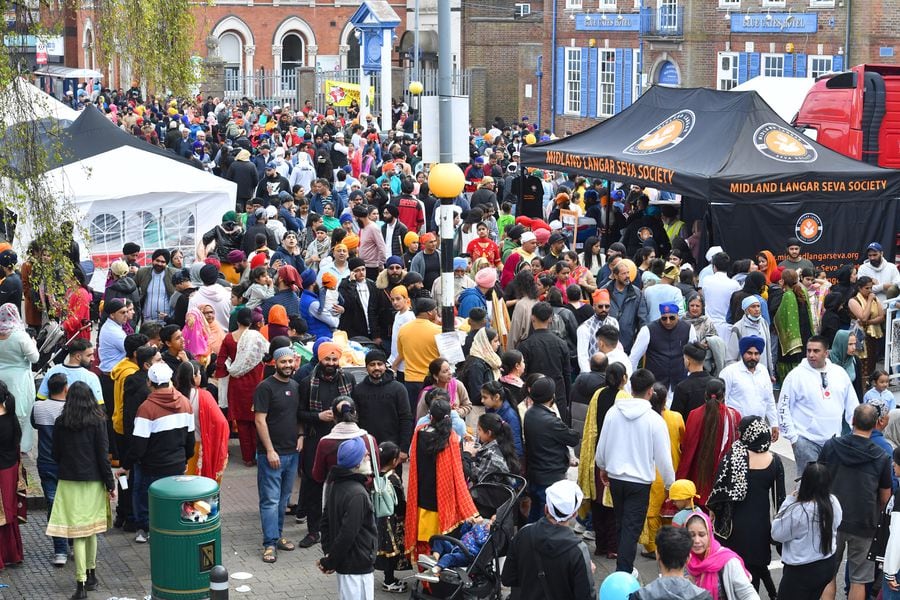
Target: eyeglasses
[[668, 318], [601, 306]]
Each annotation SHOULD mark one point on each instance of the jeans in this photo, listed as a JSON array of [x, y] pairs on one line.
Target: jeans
[[630, 502], [49, 481], [140, 497], [887, 593], [413, 389], [275, 487], [805, 452], [538, 494]]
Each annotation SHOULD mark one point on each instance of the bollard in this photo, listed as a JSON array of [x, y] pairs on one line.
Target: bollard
[[218, 583]]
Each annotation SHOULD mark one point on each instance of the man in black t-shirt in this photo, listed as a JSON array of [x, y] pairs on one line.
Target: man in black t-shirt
[[275, 403]]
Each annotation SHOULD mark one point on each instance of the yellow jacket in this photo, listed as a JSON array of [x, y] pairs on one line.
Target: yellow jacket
[[123, 369]]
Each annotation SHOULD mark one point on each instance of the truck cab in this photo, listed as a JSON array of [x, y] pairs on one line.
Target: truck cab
[[856, 113]]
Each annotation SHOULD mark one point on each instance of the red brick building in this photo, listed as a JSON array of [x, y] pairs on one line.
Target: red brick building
[[600, 54]]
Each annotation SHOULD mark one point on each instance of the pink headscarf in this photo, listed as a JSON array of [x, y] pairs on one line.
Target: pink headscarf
[[10, 320], [196, 333], [705, 570]]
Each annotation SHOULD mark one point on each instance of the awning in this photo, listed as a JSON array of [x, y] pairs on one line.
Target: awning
[[61, 72]]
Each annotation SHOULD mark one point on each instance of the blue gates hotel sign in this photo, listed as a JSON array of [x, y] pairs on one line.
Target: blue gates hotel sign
[[774, 23], [608, 22]]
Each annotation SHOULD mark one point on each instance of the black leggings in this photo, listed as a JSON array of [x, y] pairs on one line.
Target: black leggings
[[806, 582], [760, 573]]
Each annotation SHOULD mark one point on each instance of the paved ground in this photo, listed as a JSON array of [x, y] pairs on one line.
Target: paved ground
[[124, 567]]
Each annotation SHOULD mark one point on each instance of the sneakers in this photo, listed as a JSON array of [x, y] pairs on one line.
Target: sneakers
[[579, 528], [300, 517], [309, 541], [59, 560], [141, 537], [589, 536], [398, 587], [429, 576], [426, 561]]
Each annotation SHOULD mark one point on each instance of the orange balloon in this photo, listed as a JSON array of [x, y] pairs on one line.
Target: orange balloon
[[632, 268], [530, 139]]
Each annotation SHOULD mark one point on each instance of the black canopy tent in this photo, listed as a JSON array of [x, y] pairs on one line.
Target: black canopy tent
[[755, 179]]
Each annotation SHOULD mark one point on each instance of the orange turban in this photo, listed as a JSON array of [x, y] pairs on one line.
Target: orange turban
[[329, 348], [351, 241]]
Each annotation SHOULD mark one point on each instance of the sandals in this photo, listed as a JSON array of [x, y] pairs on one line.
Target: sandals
[[284, 544], [269, 555]]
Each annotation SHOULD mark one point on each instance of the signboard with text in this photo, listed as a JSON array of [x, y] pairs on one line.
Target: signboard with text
[[774, 23], [607, 22]]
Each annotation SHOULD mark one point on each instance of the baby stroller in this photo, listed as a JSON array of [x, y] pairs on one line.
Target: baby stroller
[[496, 494], [53, 345]]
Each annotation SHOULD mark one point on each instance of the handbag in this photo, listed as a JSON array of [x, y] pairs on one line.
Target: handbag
[[22, 495], [882, 533], [384, 498]]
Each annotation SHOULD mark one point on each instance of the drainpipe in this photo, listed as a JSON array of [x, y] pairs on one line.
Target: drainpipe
[[540, 78], [847, 64], [553, 73]]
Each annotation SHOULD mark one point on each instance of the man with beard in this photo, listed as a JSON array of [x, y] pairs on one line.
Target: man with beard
[[393, 230], [181, 297], [794, 259], [76, 367], [372, 249], [884, 274], [748, 388], [275, 405], [317, 390], [383, 404], [361, 303], [390, 277], [272, 184], [428, 262], [663, 342], [587, 331], [415, 286], [154, 283]]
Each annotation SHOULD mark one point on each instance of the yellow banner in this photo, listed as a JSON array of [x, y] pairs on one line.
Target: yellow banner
[[341, 93]]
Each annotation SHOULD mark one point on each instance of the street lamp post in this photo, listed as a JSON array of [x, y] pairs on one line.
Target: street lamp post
[[446, 179]]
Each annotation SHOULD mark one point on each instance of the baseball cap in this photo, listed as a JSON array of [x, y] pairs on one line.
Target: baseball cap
[[875, 246], [160, 373]]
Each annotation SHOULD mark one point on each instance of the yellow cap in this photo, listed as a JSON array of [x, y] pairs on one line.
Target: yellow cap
[[683, 489]]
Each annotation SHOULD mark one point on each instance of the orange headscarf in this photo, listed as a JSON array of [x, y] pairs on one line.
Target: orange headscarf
[[772, 265]]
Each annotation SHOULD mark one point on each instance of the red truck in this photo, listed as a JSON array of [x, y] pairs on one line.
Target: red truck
[[856, 113]]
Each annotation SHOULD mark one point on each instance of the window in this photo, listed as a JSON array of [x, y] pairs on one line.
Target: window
[[523, 9], [573, 4], [818, 65], [636, 75], [729, 3], [667, 17], [773, 65], [291, 58], [607, 5], [821, 3], [727, 72], [231, 51], [606, 83], [773, 3], [573, 81]]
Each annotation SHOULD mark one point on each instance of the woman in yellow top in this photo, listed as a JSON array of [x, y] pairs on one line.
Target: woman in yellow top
[[675, 425], [607, 542]]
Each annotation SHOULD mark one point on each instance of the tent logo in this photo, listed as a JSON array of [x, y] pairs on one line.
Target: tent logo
[[809, 228], [780, 143], [664, 136]]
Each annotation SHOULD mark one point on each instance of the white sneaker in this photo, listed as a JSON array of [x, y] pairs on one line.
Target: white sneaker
[[59, 560], [589, 536], [141, 537], [426, 561], [579, 528]]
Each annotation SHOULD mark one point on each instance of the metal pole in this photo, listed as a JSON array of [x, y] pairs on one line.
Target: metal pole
[[445, 127], [539, 73], [218, 583], [553, 74], [847, 64]]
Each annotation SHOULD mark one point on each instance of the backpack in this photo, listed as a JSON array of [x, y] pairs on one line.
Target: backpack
[[558, 327], [384, 498]]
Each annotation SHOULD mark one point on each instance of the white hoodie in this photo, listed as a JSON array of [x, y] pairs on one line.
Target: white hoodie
[[634, 443], [886, 275], [217, 296], [809, 410]]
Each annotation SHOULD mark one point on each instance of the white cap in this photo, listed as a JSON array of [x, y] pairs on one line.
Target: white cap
[[528, 236], [712, 252], [563, 500], [555, 225], [159, 373]]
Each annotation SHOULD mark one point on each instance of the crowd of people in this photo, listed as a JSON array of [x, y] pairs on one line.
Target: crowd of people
[[662, 371]]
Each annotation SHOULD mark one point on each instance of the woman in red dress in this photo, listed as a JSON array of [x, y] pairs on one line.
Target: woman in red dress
[[708, 435], [240, 359], [483, 246]]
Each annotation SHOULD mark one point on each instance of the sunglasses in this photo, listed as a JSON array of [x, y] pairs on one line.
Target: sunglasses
[[668, 318], [601, 306]]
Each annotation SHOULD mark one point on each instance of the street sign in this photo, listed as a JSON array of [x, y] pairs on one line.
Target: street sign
[[40, 52]]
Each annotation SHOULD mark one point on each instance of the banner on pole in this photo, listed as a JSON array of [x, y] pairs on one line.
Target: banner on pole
[[342, 93]]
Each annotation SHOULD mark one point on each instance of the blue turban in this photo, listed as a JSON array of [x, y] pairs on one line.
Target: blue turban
[[752, 341], [460, 263], [351, 453], [668, 308], [393, 260]]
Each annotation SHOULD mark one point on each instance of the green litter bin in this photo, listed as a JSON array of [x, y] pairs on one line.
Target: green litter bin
[[185, 536]]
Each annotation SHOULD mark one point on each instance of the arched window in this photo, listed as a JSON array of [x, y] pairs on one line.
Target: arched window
[[292, 56], [231, 51], [88, 48]]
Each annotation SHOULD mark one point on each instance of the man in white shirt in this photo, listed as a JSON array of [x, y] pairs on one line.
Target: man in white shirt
[[816, 398], [884, 274], [748, 388], [608, 343], [633, 445], [708, 269], [717, 291], [586, 334]]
